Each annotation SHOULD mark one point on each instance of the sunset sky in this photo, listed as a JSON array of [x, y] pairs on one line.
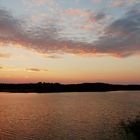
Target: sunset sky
[[70, 41]]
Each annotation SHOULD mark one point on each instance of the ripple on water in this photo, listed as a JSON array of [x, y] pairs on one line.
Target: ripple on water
[[66, 116]]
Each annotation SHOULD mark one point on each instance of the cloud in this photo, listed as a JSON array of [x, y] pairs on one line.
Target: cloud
[[97, 1], [77, 12], [10, 28], [121, 38], [95, 17], [100, 15], [4, 55], [117, 3], [120, 3], [87, 13], [54, 56], [12, 31], [35, 69], [43, 40]]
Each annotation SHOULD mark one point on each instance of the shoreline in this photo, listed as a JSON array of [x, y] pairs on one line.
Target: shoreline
[[58, 88]]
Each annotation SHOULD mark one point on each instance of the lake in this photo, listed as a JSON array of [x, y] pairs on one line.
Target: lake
[[66, 116]]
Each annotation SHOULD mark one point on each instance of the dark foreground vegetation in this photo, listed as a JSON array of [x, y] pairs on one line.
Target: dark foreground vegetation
[[132, 128], [56, 87]]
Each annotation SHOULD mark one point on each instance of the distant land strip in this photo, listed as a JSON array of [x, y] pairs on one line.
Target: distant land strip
[[42, 87]]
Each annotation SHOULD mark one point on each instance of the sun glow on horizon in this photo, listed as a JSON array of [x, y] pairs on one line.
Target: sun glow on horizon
[[26, 66], [85, 43]]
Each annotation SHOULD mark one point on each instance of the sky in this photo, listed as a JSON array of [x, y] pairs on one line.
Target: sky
[[70, 41]]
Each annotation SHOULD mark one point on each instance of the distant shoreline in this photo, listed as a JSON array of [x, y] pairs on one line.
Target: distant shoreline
[[57, 87]]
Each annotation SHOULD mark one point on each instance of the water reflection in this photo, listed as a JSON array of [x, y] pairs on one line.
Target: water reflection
[[66, 116]]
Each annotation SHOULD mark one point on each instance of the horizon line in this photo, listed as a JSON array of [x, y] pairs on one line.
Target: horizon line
[[70, 83]]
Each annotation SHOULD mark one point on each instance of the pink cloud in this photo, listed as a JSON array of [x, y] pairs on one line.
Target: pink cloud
[[117, 3], [77, 12]]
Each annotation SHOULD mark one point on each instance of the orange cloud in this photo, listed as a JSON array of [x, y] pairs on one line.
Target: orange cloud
[[4, 55]]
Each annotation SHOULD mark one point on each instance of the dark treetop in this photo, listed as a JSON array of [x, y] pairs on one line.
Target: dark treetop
[[57, 87]]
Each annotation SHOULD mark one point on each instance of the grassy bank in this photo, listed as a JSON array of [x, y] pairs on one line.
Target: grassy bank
[[132, 128]]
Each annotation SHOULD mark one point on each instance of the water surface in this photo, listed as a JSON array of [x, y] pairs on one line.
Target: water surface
[[66, 116]]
